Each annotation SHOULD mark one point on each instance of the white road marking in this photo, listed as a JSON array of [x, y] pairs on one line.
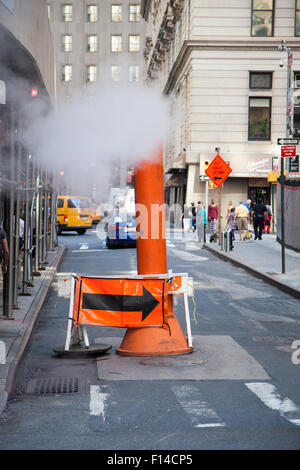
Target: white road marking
[[210, 425], [270, 397], [186, 256], [199, 411], [84, 250], [97, 401], [84, 246]]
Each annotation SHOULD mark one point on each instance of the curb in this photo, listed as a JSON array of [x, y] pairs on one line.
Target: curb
[[293, 291], [31, 318]]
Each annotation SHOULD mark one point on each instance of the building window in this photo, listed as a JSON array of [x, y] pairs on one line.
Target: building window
[[134, 73], [116, 13], [116, 73], [260, 80], [91, 73], [67, 12], [262, 18], [116, 43], [134, 12], [67, 42], [297, 18], [259, 118], [134, 43], [92, 13], [67, 73], [92, 43], [296, 102]]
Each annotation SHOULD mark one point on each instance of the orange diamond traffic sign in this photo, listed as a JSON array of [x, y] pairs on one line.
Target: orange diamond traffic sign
[[218, 171]]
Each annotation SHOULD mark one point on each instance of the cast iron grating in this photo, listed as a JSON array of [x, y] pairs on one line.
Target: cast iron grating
[[53, 385]]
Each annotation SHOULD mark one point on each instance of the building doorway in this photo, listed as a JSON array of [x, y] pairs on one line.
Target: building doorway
[[259, 192]]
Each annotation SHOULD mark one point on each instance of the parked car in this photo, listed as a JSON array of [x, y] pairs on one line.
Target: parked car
[[121, 230]]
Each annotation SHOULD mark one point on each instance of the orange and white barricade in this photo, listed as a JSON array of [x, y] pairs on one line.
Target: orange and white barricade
[[123, 302]]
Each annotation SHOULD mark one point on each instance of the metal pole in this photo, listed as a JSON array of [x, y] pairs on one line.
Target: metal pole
[[289, 64], [11, 217], [282, 217], [40, 222], [219, 213], [273, 209], [37, 227], [45, 219], [16, 230], [26, 231]]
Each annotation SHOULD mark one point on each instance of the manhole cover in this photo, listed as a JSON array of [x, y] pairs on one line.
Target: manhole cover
[[54, 385]]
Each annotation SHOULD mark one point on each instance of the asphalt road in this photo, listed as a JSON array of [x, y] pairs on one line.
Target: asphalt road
[[239, 389]]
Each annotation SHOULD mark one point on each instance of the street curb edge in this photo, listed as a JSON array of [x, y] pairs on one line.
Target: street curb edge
[[265, 277]]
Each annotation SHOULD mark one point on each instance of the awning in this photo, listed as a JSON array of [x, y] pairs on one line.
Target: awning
[[173, 181]]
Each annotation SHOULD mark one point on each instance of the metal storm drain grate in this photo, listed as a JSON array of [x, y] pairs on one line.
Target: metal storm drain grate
[[53, 385]]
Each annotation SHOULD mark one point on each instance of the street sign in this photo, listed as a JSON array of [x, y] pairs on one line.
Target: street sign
[[294, 164], [273, 177], [288, 150], [120, 302], [203, 178], [288, 141], [218, 171]]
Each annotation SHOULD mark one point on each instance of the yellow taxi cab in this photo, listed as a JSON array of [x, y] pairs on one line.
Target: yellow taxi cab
[[96, 214], [73, 214]]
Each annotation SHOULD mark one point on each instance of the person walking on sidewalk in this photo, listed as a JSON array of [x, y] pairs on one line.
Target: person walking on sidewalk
[[187, 218], [4, 250], [268, 218], [259, 210], [231, 221], [242, 216], [194, 216], [229, 207], [201, 223], [213, 216]]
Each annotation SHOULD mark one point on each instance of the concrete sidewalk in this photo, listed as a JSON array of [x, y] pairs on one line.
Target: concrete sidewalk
[[263, 259], [15, 333]]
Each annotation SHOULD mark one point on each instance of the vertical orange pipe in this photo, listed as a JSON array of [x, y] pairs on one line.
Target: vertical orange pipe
[[152, 259], [149, 198]]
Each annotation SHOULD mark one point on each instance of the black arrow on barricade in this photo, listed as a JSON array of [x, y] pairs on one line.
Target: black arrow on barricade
[[217, 178], [145, 303]]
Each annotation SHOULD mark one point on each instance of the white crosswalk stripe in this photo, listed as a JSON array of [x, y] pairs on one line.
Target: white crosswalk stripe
[[269, 395], [198, 409]]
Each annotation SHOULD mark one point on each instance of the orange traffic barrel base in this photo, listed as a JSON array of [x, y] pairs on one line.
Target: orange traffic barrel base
[[153, 341]]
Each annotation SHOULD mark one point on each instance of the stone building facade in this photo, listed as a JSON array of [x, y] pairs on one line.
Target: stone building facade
[[220, 65]]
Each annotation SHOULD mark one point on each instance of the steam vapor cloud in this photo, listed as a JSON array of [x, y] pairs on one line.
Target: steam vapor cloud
[[90, 134]]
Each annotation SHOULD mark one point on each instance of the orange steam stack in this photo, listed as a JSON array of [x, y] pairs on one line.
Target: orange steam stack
[[152, 260]]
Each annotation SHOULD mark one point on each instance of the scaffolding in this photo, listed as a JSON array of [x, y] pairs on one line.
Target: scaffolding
[[27, 212]]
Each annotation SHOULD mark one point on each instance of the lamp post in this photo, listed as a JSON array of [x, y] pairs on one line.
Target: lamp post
[[283, 47]]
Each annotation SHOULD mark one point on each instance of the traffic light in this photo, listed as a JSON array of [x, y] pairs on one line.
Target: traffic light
[[206, 164]]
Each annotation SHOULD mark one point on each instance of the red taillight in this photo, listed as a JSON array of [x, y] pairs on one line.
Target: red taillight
[[65, 218]]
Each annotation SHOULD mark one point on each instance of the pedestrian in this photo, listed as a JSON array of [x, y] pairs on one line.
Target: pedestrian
[[231, 222], [194, 216], [187, 218], [228, 210], [268, 218], [201, 223], [259, 210], [213, 216], [21, 252], [4, 251], [242, 216], [248, 205]]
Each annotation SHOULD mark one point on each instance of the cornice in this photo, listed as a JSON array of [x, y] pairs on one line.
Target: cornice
[[219, 45]]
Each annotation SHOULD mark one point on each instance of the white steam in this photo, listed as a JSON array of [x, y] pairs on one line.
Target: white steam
[[89, 135]]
